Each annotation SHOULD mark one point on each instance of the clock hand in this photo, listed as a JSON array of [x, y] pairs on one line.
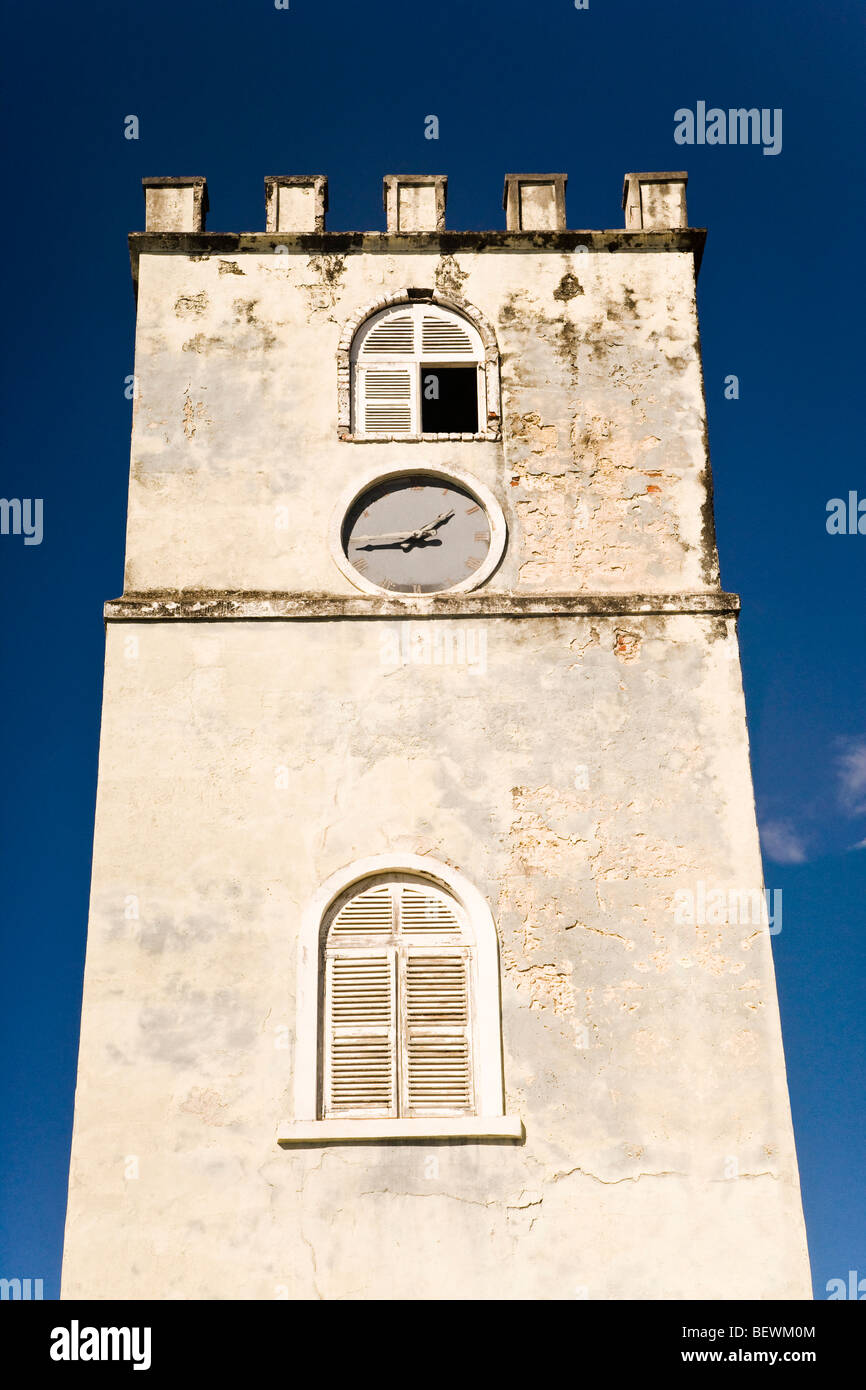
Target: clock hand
[[388, 536], [403, 538], [431, 526]]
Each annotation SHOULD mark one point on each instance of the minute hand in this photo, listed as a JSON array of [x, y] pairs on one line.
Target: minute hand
[[431, 526]]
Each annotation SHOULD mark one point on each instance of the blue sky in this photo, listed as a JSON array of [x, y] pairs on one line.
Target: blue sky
[[236, 91]]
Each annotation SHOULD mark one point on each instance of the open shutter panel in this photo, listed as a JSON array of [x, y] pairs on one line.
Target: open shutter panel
[[361, 1039], [386, 400], [437, 1064]]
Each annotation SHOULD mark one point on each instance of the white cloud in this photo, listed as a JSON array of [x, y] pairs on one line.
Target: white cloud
[[851, 769], [782, 843]]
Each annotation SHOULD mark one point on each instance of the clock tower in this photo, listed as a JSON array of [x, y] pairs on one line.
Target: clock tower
[[429, 953]]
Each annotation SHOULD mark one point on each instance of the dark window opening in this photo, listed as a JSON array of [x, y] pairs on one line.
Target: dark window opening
[[449, 400]]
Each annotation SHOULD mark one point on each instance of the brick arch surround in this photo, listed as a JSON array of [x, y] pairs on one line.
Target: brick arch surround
[[409, 296]]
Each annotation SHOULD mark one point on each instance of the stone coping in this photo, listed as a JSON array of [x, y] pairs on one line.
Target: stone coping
[[394, 243], [222, 605]]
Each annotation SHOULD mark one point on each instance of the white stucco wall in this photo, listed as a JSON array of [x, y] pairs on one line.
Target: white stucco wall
[[643, 1056], [581, 770], [601, 469]]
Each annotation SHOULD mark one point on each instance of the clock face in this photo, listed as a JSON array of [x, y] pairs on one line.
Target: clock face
[[416, 534]]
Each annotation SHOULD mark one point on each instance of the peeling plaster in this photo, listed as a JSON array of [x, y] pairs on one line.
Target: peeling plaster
[[598, 765]]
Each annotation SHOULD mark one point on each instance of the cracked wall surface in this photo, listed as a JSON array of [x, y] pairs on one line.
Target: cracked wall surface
[[583, 775], [601, 469], [579, 781]]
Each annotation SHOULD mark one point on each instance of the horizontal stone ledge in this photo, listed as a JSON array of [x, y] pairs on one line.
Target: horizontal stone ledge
[[202, 244], [351, 1131], [221, 606]]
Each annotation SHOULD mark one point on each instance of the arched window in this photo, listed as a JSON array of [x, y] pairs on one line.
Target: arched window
[[420, 369], [397, 1005], [399, 1030]]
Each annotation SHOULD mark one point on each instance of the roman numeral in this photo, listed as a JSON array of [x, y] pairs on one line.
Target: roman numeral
[[472, 563], [470, 510], [482, 537]]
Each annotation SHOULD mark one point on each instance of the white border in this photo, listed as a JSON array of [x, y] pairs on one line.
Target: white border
[[482, 494], [488, 1012]]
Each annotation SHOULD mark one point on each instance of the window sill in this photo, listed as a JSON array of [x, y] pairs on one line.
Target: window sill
[[349, 1131], [489, 436]]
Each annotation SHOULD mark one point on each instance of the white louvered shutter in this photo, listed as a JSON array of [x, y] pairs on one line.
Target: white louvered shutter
[[392, 336], [426, 913], [444, 338], [397, 1007], [385, 398], [437, 1063], [368, 914], [386, 401], [360, 1033]]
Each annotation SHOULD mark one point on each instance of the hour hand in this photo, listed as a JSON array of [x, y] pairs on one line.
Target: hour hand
[[386, 538]]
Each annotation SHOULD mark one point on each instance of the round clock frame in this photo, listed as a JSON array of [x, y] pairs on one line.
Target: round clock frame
[[450, 478]]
